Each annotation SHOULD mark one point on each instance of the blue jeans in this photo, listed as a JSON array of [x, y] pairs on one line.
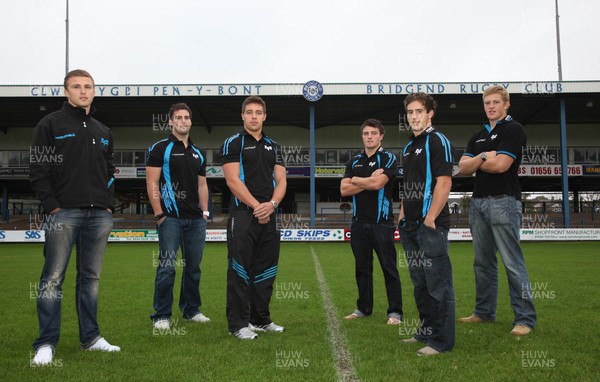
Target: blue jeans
[[190, 235], [89, 230], [431, 273], [495, 223]]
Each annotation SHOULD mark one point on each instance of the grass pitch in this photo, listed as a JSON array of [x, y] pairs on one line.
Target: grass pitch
[[563, 347]]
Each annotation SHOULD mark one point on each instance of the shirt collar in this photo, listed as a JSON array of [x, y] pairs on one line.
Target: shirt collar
[[77, 111], [379, 150], [244, 132], [427, 131], [174, 139], [508, 118]]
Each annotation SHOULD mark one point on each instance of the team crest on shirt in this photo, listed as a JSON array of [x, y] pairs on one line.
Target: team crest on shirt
[[493, 137], [418, 151], [268, 148], [371, 164], [196, 156]]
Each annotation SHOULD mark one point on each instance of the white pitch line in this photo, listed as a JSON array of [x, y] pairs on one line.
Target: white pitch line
[[343, 358]]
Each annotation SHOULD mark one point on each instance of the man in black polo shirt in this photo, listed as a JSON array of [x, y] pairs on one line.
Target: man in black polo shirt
[[178, 193], [369, 179], [255, 174], [494, 155], [424, 223]]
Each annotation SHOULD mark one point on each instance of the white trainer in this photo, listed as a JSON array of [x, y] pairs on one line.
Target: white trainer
[[199, 317], [103, 345], [244, 334], [162, 324], [272, 327], [43, 355]]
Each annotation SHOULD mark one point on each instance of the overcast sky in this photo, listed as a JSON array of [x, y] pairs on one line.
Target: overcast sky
[[277, 41]]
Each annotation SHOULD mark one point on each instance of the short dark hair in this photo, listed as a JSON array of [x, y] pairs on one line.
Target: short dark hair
[[179, 106], [254, 99], [77, 73], [424, 98], [373, 123]]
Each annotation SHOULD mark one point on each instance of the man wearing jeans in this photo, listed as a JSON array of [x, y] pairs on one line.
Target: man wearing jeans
[[494, 155], [424, 223], [369, 179], [178, 193], [71, 171]]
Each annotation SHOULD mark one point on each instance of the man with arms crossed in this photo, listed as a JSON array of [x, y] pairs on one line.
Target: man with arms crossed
[[494, 155], [369, 179], [424, 223], [255, 174], [72, 172], [178, 193]]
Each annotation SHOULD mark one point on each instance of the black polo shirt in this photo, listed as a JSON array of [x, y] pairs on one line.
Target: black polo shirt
[[425, 158], [507, 137], [181, 167], [374, 206], [257, 161]]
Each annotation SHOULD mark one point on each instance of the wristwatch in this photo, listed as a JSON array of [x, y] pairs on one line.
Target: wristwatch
[[274, 203], [159, 216], [483, 156], [206, 213]]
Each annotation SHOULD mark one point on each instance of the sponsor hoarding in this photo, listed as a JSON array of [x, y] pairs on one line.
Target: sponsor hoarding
[[322, 234]]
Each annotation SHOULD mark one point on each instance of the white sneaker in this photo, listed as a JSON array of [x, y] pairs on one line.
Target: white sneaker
[[427, 351], [103, 345], [244, 334], [199, 317], [43, 355], [272, 327], [162, 324]]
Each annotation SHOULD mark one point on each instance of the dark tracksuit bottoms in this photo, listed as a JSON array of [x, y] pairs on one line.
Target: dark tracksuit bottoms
[[253, 254]]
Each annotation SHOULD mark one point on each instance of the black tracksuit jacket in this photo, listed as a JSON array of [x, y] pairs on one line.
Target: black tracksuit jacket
[[71, 161]]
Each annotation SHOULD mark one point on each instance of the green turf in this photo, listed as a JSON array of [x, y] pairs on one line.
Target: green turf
[[564, 345]]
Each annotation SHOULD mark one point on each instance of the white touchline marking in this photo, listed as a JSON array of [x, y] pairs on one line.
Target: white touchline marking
[[343, 358]]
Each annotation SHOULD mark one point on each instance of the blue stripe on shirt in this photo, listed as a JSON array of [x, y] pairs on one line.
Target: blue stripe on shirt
[[513, 156], [168, 195], [428, 180]]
